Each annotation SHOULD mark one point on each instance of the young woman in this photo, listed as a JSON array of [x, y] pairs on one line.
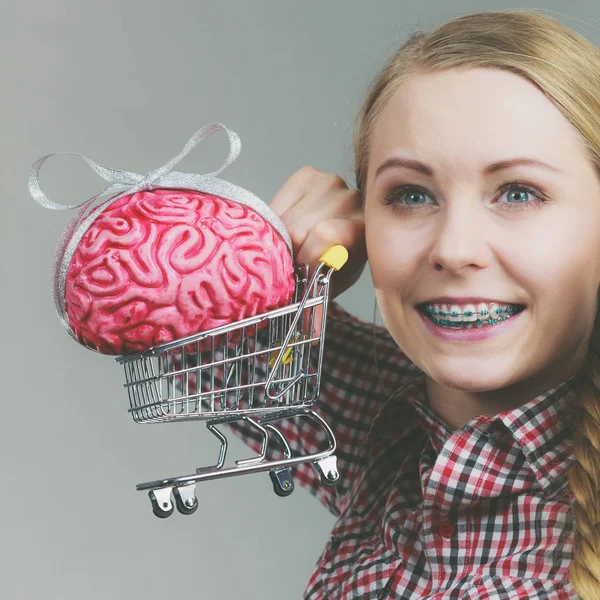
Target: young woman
[[468, 427]]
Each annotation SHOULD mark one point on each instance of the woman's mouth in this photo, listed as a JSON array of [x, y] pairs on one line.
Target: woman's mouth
[[470, 316]]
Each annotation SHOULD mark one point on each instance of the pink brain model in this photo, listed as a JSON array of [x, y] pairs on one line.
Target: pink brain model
[[160, 265]]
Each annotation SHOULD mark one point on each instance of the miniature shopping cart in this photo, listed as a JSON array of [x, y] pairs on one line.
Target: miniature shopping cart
[[239, 379]]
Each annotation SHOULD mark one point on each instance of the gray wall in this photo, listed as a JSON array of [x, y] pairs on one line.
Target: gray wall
[[126, 84]]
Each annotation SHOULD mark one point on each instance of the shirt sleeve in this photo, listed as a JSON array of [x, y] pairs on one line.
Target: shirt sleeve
[[361, 367]]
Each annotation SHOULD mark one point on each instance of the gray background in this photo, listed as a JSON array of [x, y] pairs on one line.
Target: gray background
[[126, 84]]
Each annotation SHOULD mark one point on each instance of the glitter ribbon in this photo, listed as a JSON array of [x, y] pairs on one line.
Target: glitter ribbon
[[124, 183]]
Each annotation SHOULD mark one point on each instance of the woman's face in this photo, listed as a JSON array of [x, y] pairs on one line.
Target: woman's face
[[460, 232]]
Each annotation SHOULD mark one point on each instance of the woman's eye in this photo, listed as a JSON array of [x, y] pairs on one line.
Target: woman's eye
[[405, 196], [515, 196], [521, 197]]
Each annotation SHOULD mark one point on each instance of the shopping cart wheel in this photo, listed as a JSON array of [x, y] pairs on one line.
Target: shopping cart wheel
[[331, 480], [328, 472], [283, 484], [185, 499], [162, 506]]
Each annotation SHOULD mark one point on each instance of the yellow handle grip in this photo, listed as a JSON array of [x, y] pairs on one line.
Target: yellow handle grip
[[335, 257]]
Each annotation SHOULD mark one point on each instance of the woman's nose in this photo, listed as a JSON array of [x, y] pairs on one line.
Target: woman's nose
[[460, 239]]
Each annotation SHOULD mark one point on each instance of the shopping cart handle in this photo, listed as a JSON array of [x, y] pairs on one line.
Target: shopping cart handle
[[335, 257]]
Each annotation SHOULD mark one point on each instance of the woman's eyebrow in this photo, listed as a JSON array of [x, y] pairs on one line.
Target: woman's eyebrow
[[416, 165]]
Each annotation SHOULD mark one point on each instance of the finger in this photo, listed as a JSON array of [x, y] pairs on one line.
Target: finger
[[327, 195], [348, 232], [338, 205], [317, 323], [293, 190]]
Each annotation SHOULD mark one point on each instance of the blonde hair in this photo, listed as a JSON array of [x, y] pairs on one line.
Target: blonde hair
[[566, 68]]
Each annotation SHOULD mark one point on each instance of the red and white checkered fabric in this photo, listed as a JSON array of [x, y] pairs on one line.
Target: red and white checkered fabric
[[425, 512]]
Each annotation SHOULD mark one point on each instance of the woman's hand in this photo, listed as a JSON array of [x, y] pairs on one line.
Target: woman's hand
[[318, 211]]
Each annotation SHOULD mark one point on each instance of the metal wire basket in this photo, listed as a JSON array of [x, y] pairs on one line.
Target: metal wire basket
[[258, 370]]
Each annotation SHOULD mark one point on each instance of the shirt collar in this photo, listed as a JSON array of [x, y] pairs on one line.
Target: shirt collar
[[544, 431], [541, 428]]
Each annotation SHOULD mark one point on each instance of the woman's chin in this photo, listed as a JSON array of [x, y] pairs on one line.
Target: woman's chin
[[479, 377]]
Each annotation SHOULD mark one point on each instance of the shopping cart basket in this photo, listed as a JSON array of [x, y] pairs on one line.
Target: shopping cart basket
[[258, 382]]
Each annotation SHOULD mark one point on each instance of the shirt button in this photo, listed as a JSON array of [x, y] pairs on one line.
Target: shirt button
[[446, 529]]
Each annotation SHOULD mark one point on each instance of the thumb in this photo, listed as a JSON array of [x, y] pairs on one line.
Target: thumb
[[348, 233]]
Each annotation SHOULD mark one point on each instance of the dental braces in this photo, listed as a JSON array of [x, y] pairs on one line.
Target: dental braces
[[468, 313], [478, 323]]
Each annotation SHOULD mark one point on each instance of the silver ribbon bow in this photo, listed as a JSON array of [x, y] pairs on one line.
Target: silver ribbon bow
[[124, 183]]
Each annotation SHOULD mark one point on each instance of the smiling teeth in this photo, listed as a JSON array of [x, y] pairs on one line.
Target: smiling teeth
[[482, 314], [461, 316]]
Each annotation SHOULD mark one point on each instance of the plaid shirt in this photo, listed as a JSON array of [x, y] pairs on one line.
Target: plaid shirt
[[425, 512]]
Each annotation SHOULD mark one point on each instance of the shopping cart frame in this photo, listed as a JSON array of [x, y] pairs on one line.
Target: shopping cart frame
[[154, 376]]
